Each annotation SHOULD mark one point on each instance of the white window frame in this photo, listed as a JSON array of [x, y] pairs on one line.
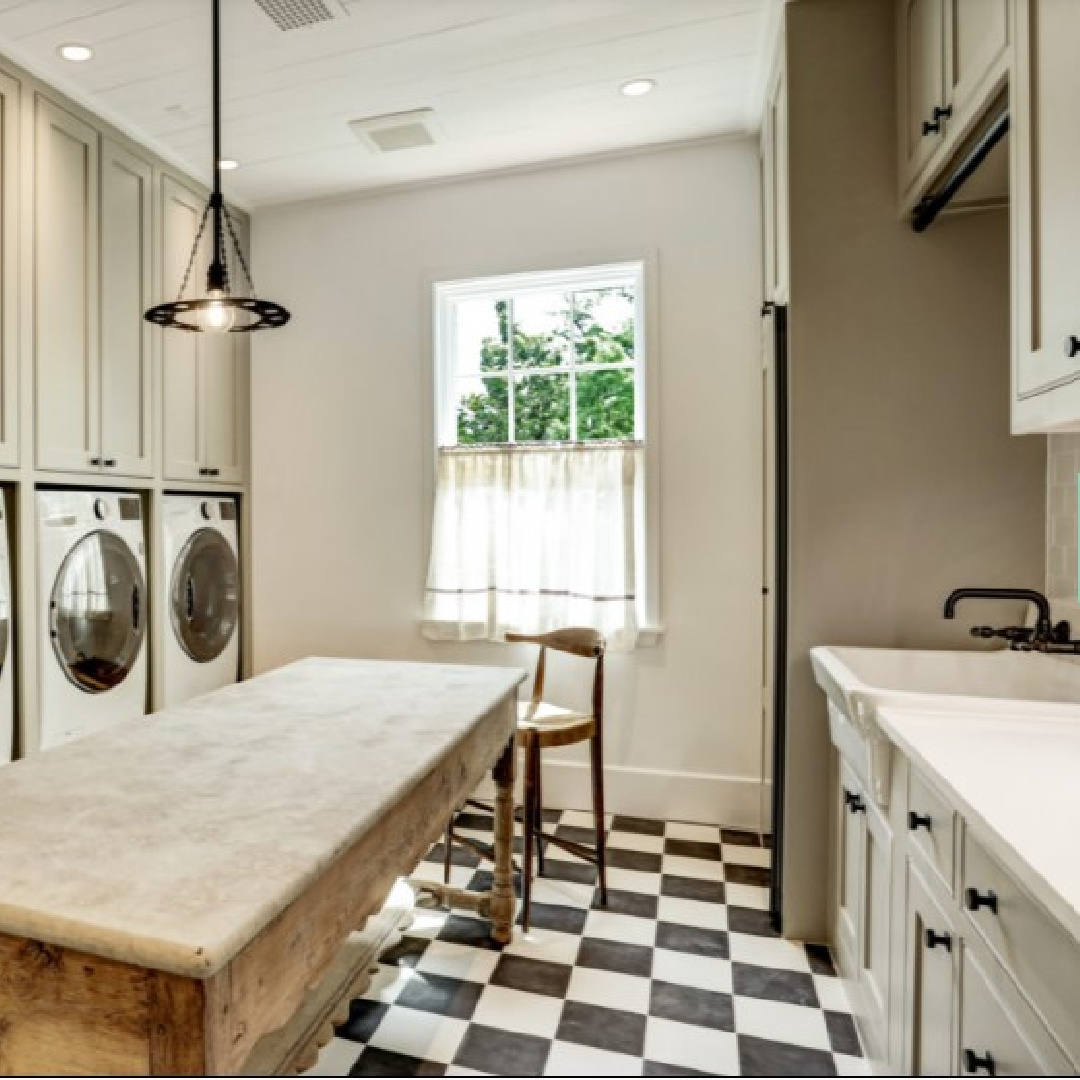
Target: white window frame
[[509, 286]]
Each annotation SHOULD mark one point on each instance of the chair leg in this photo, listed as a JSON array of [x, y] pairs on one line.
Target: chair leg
[[448, 842], [597, 754], [538, 815], [529, 829]]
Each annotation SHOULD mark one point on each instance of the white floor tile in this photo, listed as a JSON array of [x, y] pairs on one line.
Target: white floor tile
[[582, 819], [387, 983], [768, 952], [634, 881], [748, 896], [420, 1034], [458, 961], [460, 1070], [713, 1052], [702, 869], [779, 1021], [571, 1059], [831, 993], [515, 1010], [609, 988], [851, 1066], [544, 945], [336, 1058], [682, 830], [625, 928], [569, 893], [693, 913], [747, 856], [702, 972], [629, 841]]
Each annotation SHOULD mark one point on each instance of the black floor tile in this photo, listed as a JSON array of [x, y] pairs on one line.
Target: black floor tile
[[376, 1062], [603, 1028], [622, 823], [647, 861], [761, 1057], [693, 849], [622, 902], [560, 917], [561, 870], [406, 953], [576, 834], [502, 1053], [747, 875], [459, 855], [689, 1005], [440, 994], [658, 1068], [774, 984], [475, 821], [821, 962], [534, 976], [740, 838], [615, 956], [692, 939], [843, 1037], [743, 920], [476, 933], [483, 880], [686, 888], [364, 1017]]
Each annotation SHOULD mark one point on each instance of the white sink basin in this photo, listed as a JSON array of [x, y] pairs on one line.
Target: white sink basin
[[859, 681]]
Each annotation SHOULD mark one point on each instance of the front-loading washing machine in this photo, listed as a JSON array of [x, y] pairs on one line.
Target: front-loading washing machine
[[93, 606], [198, 596]]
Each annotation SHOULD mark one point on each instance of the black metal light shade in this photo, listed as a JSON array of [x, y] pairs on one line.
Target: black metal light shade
[[218, 311]]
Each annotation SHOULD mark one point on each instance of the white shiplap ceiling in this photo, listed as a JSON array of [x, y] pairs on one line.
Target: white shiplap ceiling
[[512, 82]]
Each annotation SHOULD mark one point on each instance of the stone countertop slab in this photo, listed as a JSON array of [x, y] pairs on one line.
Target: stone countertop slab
[[170, 841], [1015, 782]]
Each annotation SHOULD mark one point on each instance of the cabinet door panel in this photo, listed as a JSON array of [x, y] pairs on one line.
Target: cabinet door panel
[[9, 269], [978, 51], [181, 211], [850, 829], [66, 290], [223, 374], [876, 924], [126, 369], [922, 81]]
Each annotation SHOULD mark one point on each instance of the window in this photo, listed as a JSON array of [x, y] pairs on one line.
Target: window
[[540, 497]]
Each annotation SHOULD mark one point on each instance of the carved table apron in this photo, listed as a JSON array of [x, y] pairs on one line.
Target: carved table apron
[[177, 893]]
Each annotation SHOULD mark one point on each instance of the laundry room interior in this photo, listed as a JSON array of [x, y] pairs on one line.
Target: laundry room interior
[[539, 539]]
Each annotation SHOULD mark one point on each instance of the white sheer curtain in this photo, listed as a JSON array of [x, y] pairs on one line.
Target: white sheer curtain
[[532, 539]]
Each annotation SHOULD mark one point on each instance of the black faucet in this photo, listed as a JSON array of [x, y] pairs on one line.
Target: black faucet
[[1044, 637]]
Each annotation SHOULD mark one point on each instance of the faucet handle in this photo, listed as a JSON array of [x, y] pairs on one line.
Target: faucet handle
[[1015, 635]]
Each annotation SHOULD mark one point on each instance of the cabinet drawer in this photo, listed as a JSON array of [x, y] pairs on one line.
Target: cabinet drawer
[[1041, 956], [931, 826], [1000, 1041]]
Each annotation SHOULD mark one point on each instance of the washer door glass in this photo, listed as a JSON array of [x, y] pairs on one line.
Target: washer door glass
[[97, 613], [205, 596]]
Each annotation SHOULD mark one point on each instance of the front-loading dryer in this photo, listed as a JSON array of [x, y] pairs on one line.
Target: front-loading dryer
[[93, 607], [198, 596]]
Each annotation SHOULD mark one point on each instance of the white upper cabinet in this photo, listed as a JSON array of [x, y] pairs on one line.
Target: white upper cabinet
[[126, 276], [66, 252], [205, 375], [1046, 217], [953, 64], [9, 269]]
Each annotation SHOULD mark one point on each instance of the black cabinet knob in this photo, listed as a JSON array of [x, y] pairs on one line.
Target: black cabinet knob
[[934, 939], [95, 461], [109, 463], [919, 821], [854, 802], [1072, 346], [975, 1063], [204, 472], [973, 900], [933, 126]]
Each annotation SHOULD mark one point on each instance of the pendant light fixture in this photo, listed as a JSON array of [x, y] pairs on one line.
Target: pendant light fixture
[[218, 311]]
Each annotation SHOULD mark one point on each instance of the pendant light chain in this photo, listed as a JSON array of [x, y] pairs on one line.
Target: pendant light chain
[[194, 252]]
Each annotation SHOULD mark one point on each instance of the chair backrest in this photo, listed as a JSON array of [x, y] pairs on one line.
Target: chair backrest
[[578, 641]]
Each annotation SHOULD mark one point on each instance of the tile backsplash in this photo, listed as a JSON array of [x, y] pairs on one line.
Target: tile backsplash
[[1062, 470]]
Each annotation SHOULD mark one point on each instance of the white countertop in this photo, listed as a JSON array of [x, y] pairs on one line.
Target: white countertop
[[1017, 783], [171, 841]]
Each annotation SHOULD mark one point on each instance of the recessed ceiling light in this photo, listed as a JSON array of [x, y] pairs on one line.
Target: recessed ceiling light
[[637, 87], [77, 54], [227, 164]]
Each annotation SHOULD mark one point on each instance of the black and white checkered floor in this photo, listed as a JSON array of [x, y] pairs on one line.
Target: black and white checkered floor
[[681, 975]]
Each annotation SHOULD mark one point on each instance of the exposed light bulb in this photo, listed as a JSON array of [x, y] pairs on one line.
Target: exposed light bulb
[[228, 164], [215, 315], [637, 87], [76, 53]]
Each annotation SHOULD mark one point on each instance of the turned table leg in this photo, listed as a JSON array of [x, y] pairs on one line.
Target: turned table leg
[[502, 892]]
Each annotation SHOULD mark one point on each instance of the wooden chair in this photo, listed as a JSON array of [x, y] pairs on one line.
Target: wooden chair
[[540, 726]]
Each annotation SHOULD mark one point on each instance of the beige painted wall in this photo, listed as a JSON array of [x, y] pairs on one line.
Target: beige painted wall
[[906, 482], [342, 442]]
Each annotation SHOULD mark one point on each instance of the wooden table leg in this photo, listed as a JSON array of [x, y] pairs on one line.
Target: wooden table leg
[[502, 892]]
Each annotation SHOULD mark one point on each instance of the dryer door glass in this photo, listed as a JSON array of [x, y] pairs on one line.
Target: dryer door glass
[[205, 596], [97, 612]]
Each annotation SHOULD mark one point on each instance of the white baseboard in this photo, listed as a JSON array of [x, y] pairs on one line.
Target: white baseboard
[[708, 798]]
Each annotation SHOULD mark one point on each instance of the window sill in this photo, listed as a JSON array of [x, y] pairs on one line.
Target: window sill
[[446, 633]]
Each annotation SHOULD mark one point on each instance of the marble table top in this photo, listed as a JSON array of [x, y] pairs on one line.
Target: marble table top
[[170, 841]]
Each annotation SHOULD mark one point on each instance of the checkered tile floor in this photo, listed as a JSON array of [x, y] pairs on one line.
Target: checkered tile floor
[[681, 975]]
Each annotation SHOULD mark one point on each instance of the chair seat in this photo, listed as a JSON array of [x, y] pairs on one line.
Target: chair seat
[[551, 725]]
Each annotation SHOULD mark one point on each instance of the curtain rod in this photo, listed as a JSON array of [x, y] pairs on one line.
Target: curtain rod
[[503, 448]]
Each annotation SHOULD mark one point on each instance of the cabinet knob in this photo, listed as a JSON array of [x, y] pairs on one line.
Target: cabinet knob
[[919, 821], [95, 461], [933, 126], [109, 463], [973, 900], [1072, 346], [934, 939], [854, 802], [204, 472], [974, 1063]]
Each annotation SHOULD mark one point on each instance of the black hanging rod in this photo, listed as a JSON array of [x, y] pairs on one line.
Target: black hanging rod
[[926, 212]]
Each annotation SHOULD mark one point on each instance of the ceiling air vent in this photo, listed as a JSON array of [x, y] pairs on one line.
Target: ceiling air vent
[[397, 131], [296, 14]]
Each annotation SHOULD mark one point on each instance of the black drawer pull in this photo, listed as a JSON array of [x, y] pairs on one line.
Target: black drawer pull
[[973, 900], [934, 939], [854, 802], [919, 821], [1072, 346], [109, 463], [932, 127], [974, 1063], [95, 461]]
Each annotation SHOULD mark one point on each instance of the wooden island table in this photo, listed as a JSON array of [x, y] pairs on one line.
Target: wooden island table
[[181, 894]]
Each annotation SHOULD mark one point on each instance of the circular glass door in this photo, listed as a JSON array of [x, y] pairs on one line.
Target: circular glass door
[[97, 613], [205, 596]]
